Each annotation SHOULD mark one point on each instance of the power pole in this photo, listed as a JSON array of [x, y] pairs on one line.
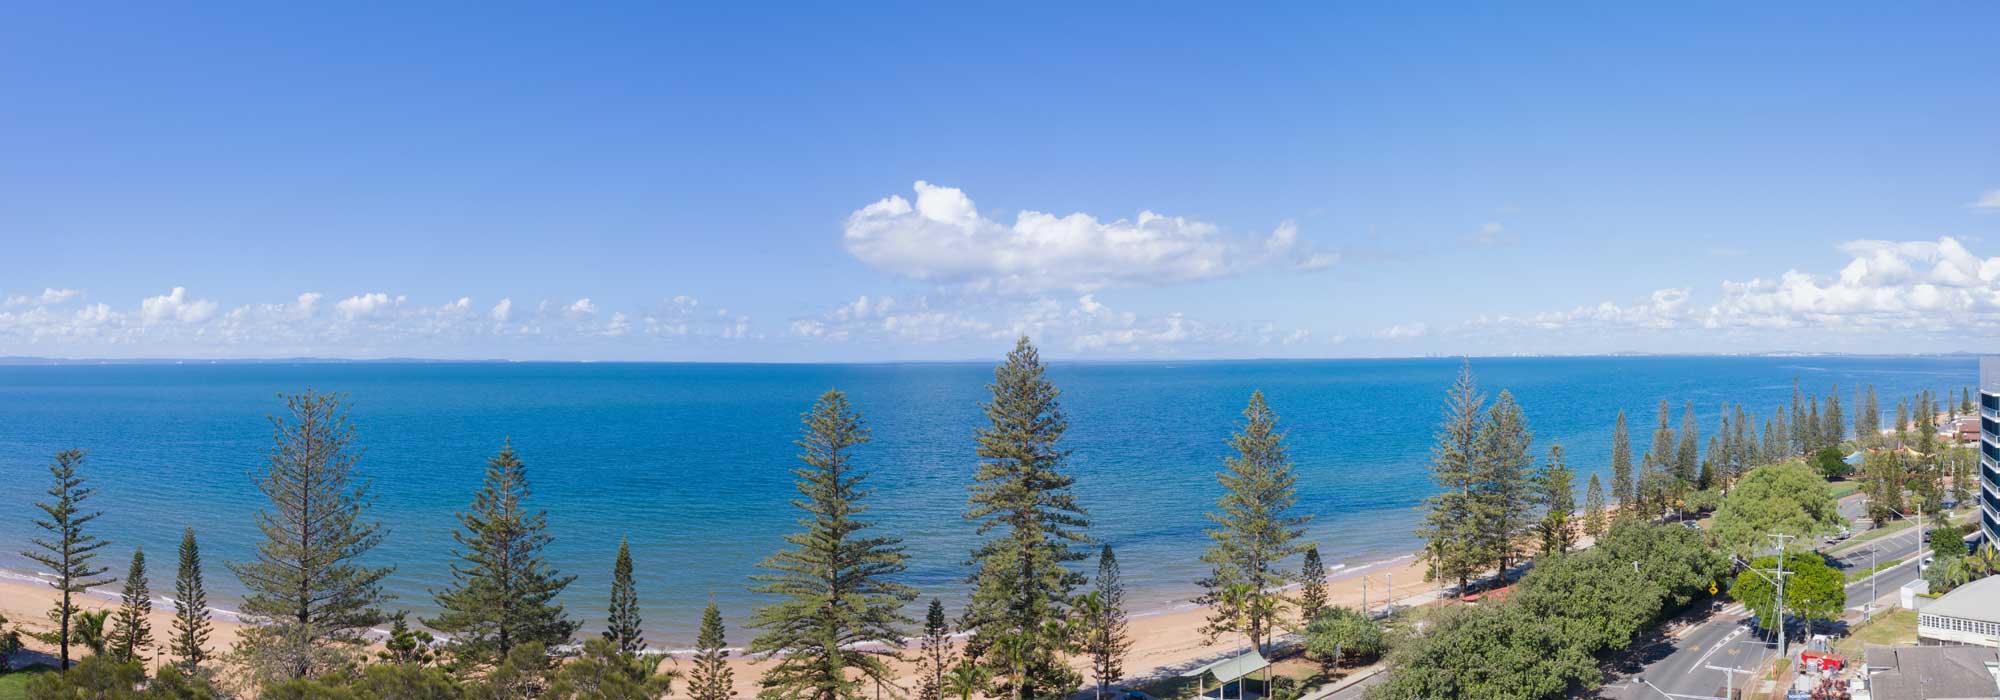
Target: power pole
[[1389, 579], [1780, 607]]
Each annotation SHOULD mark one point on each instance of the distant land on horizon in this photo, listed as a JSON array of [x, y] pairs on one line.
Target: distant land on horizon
[[32, 360]]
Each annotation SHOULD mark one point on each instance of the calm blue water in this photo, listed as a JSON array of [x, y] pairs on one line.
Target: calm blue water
[[691, 461]]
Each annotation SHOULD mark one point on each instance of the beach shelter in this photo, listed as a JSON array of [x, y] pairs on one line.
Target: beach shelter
[[1229, 671]]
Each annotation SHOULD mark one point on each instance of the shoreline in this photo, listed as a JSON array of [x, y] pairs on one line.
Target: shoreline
[[1164, 640]]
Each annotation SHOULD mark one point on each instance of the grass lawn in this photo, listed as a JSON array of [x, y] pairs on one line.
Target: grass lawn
[[1863, 573], [1897, 627], [1843, 488], [1887, 529], [14, 685]]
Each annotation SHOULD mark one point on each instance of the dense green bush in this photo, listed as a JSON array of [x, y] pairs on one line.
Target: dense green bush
[[1568, 614]]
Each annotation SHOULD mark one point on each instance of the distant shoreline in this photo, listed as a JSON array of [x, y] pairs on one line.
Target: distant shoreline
[[37, 361]]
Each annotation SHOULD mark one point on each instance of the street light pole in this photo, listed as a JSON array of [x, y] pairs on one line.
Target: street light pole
[[1874, 573], [1728, 679]]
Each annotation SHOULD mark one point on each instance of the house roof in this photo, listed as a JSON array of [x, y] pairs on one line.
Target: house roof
[[1979, 600], [1916, 673], [1228, 670]]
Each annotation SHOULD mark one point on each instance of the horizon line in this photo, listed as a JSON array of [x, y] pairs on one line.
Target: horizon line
[[36, 360]]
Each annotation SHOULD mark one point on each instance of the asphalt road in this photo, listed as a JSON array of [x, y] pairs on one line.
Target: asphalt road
[[1682, 661]]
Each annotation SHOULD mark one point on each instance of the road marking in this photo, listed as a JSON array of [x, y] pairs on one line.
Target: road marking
[[1726, 639]]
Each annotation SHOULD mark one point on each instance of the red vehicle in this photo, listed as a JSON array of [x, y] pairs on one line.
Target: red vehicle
[[1821, 661]]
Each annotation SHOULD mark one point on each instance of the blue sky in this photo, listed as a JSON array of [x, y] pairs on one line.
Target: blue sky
[[700, 183]]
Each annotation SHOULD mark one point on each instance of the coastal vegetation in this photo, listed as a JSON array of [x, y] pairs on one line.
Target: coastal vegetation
[[1580, 584], [840, 606], [67, 549], [307, 584], [1255, 531], [503, 591]]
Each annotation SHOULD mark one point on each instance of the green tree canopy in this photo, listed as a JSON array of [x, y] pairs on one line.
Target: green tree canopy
[[622, 625], [503, 591], [1032, 524], [1338, 632], [1813, 590], [1788, 498], [1255, 530], [67, 550], [1451, 527], [839, 607], [132, 626], [189, 644], [603, 672], [711, 678], [307, 578]]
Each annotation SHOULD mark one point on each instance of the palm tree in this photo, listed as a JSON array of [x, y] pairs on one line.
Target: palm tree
[[87, 630], [1985, 561], [965, 679]]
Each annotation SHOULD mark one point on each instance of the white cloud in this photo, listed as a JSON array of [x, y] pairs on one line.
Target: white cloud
[[1494, 234], [943, 238], [1403, 331], [582, 307], [372, 324], [1885, 287], [1987, 202], [1666, 308], [306, 304], [176, 306], [52, 296], [1086, 326], [94, 315], [364, 305]]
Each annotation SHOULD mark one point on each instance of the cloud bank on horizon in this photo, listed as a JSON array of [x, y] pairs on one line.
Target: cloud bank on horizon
[[980, 282]]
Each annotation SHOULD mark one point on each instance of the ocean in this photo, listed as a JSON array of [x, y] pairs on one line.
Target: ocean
[[691, 462]]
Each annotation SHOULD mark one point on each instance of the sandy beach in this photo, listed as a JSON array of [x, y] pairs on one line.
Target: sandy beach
[[1163, 642]]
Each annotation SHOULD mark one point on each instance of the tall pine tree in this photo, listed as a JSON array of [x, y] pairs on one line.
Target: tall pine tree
[[622, 627], [68, 551], [1255, 531], [1451, 529], [307, 580], [935, 654], [1021, 500], [711, 678], [1105, 637], [503, 591], [132, 626], [1622, 485], [1504, 490], [1657, 484], [1687, 457], [1557, 485], [839, 607], [1312, 587], [191, 623], [1593, 508], [1801, 425], [1871, 429], [1742, 456]]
